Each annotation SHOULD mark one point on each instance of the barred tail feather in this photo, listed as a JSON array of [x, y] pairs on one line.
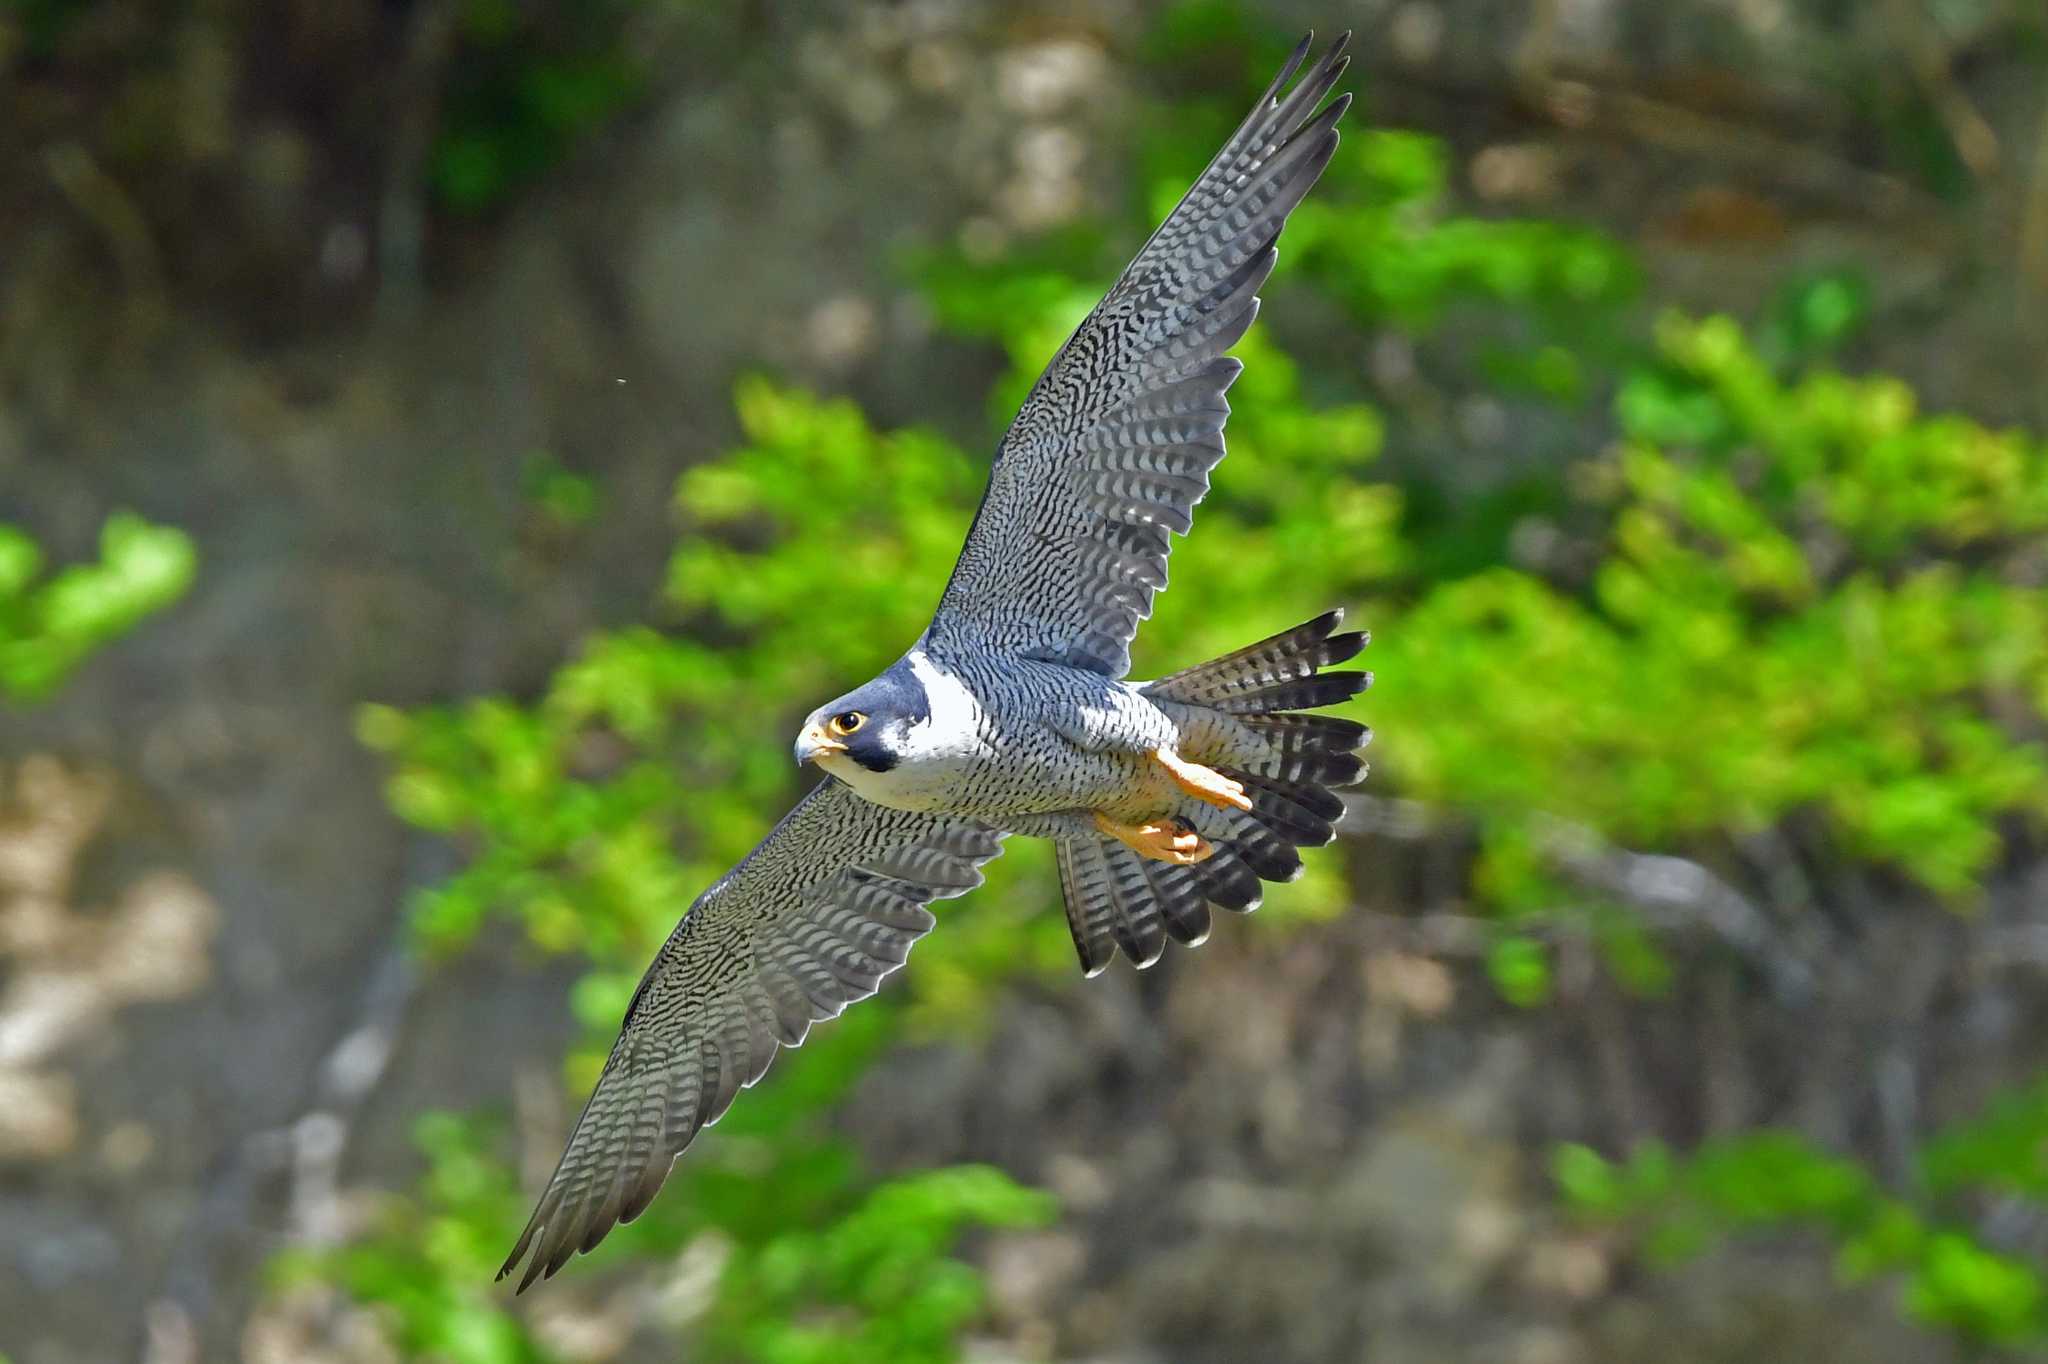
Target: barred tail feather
[[1319, 750], [1115, 904], [1286, 657], [1182, 901], [1091, 908]]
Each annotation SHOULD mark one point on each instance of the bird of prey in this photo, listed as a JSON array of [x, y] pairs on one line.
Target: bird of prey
[[1011, 715]]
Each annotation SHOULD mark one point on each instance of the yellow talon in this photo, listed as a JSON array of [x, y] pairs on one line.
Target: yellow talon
[[1162, 840]]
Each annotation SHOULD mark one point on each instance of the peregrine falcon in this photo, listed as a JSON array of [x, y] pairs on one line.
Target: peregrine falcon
[[1011, 715]]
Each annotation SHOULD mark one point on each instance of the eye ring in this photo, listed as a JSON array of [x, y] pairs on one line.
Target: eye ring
[[846, 723]]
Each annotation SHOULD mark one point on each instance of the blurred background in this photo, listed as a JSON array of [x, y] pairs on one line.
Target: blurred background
[[445, 445]]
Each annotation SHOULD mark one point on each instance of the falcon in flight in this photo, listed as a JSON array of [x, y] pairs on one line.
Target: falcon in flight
[[1011, 715]]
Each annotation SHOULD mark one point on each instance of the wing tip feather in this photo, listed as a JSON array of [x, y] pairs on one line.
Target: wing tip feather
[[1271, 99]]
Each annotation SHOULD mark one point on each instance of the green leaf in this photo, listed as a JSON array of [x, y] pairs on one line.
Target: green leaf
[[48, 631], [1520, 969]]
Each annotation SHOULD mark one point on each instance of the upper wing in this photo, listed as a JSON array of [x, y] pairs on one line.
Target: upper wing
[[810, 921], [1113, 447]]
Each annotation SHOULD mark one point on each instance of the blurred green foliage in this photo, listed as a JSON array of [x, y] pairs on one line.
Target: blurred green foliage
[[42, 22], [1771, 1180], [892, 1292], [49, 626], [1823, 582], [1771, 589], [431, 1264], [566, 498], [523, 83], [813, 1260]]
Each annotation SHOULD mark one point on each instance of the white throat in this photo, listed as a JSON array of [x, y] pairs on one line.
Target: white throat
[[934, 756]]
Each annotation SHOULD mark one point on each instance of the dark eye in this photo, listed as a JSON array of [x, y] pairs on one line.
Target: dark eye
[[846, 722]]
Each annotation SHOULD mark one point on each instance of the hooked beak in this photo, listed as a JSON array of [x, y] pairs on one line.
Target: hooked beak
[[814, 743]]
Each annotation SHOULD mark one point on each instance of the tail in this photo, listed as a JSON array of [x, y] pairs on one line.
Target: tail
[[1237, 714]]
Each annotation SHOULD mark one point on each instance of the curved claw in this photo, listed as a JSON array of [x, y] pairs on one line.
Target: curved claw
[[1162, 840]]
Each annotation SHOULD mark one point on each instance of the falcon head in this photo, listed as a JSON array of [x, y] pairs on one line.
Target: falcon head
[[869, 727]]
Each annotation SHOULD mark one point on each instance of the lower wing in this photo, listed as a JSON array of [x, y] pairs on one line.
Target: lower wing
[[809, 922]]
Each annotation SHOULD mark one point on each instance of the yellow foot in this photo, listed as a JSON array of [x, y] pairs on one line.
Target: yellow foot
[[1203, 783], [1162, 840]]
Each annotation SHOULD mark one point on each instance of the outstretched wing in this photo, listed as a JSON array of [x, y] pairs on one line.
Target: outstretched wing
[[811, 921], [1113, 447]]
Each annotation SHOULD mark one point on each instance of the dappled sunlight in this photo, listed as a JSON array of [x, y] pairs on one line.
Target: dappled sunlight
[[70, 968]]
